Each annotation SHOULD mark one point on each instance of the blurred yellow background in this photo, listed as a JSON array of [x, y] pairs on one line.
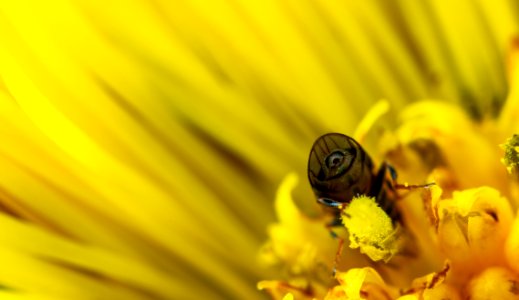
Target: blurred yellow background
[[142, 141]]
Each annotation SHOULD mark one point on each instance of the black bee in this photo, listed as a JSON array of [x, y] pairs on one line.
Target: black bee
[[339, 169]]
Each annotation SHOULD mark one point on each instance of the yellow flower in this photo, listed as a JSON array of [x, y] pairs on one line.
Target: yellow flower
[[465, 221], [142, 141]]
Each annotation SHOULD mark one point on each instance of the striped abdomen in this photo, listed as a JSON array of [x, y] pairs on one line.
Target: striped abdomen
[[339, 169]]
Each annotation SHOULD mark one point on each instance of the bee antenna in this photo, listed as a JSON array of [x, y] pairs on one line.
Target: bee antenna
[[329, 202]]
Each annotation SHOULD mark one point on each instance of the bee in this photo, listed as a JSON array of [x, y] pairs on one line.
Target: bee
[[339, 169]]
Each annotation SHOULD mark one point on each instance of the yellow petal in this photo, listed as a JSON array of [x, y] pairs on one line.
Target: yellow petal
[[295, 289], [12, 295], [364, 283], [461, 142], [473, 227], [433, 286], [512, 246], [298, 241], [444, 291], [507, 121], [288, 296], [368, 121], [494, 283]]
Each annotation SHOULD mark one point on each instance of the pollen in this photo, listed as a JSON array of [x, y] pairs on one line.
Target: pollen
[[511, 157], [371, 229]]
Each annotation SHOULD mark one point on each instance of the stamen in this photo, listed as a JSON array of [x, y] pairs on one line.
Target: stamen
[[374, 114]]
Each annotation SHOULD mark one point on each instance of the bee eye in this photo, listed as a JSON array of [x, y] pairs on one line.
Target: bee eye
[[335, 159]]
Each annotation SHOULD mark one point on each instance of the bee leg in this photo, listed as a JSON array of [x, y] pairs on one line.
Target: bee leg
[[337, 220], [338, 255], [334, 223], [405, 186]]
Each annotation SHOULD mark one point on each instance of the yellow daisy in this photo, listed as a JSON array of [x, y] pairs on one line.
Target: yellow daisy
[[143, 141], [463, 230]]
